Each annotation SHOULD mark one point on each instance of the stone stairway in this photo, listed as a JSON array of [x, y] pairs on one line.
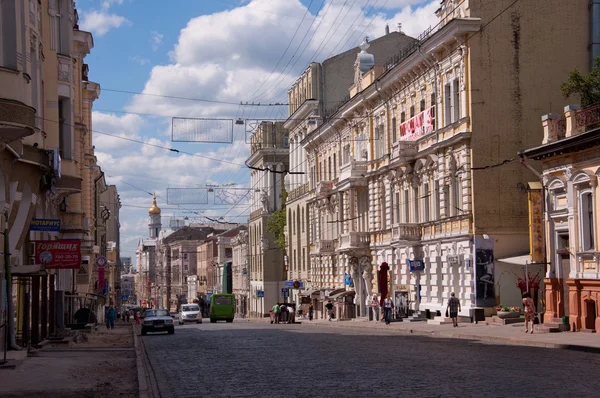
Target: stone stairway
[[416, 317], [552, 326], [494, 320]]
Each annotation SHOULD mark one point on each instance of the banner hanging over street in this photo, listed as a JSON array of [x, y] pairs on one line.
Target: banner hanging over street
[[58, 254]]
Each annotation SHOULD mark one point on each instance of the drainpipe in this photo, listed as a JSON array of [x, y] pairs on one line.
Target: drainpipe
[[434, 89], [594, 30], [12, 342]]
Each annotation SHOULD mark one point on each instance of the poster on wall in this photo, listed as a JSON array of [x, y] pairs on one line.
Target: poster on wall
[[58, 254], [485, 294]]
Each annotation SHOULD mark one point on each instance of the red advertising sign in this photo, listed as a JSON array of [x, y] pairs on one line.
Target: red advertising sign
[[58, 254], [417, 126]]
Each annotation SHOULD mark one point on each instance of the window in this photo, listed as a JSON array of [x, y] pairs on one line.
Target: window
[[228, 252], [412, 111], [456, 100], [286, 141], [448, 104], [302, 222], [394, 136], [303, 259], [378, 144], [457, 196], [334, 166], [422, 105], [347, 154], [426, 202], [382, 212], [406, 207], [8, 34], [397, 208], [447, 200], [433, 109], [329, 169], [64, 128], [402, 117], [416, 205], [436, 200], [587, 220]]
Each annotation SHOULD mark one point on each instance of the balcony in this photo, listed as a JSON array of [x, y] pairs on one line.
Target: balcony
[[298, 192], [17, 120], [324, 188], [406, 232], [354, 240], [404, 150], [354, 170], [325, 246]]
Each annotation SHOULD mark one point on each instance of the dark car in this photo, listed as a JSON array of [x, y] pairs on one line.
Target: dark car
[[158, 321]]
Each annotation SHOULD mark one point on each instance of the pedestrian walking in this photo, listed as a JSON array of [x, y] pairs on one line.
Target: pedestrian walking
[[329, 307], [110, 316], [375, 307], [387, 308], [453, 308], [136, 315], [127, 315], [276, 313], [290, 314], [310, 312], [529, 307]]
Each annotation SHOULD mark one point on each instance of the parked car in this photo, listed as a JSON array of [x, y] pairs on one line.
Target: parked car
[[190, 313], [158, 321]]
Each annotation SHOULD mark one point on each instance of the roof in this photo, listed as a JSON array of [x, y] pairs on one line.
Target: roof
[[574, 143]]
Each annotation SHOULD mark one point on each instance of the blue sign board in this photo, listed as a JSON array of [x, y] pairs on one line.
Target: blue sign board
[[284, 290], [289, 283], [44, 225], [260, 293], [416, 265], [347, 279]]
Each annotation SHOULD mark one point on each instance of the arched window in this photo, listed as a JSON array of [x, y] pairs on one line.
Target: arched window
[[586, 220]]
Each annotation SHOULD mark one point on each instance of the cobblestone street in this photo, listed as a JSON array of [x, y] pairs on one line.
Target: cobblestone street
[[261, 360]]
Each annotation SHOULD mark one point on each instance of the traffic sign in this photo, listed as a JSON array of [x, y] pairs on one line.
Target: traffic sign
[[284, 290], [101, 261], [260, 293]]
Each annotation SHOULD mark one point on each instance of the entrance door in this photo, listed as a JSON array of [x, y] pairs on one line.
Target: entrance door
[[590, 314], [564, 268]]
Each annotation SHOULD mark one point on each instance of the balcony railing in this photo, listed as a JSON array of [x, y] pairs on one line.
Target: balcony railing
[[410, 232], [325, 246], [404, 149], [353, 169], [354, 240], [296, 193]]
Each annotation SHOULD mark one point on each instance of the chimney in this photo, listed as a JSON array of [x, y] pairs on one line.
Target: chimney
[[400, 27], [387, 29]]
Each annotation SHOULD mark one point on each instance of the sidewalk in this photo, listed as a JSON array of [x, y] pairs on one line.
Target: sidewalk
[[104, 365], [588, 342]]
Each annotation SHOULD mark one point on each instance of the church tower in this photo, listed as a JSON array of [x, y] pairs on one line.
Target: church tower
[[154, 224]]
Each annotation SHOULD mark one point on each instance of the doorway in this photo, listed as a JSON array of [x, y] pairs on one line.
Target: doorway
[[590, 314]]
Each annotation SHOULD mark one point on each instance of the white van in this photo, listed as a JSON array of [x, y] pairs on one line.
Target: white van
[[190, 313]]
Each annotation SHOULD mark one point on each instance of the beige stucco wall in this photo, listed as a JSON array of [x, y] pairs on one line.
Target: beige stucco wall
[[516, 64]]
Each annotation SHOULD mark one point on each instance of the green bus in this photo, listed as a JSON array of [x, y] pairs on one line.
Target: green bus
[[222, 307]]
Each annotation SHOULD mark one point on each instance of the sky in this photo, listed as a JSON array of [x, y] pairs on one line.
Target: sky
[[156, 60]]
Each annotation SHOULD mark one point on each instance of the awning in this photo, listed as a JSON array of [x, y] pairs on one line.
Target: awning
[[336, 292], [522, 260], [308, 293], [342, 294]]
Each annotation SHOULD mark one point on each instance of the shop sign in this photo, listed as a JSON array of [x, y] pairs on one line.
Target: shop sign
[[44, 225], [417, 126], [58, 254], [536, 226], [416, 265]]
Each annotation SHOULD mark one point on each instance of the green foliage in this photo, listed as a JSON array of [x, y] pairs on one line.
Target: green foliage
[[587, 87], [277, 222]]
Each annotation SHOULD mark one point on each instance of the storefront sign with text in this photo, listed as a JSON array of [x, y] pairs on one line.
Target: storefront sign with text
[[58, 254]]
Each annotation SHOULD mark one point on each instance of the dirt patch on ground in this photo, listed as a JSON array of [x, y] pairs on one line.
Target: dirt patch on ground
[[119, 337], [103, 365]]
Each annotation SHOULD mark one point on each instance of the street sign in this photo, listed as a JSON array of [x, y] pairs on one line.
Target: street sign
[[284, 290], [44, 225], [260, 293], [101, 261], [289, 284]]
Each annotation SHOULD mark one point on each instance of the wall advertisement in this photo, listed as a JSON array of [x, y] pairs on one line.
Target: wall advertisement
[[485, 295], [58, 254]]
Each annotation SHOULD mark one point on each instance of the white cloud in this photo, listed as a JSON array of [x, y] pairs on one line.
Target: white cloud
[[225, 57], [99, 22], [155, 40], [139, 60]]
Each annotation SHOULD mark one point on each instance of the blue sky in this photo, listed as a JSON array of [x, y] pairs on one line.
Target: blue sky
[[223, 50]]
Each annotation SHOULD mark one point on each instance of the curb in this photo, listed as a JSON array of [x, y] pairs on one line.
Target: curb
[[144, 375], [491, 339]]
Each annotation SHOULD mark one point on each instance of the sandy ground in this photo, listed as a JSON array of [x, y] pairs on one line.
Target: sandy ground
[[103, 366]]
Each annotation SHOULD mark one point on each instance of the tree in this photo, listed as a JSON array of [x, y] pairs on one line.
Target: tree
[[277, 222], [587, 87]]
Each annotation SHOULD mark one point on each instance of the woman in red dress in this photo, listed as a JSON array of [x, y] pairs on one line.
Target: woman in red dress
[[529, 307]]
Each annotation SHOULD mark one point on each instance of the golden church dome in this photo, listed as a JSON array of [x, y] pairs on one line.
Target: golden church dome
[[154, 209]]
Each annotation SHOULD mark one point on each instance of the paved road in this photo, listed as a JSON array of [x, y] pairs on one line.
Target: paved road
[[246, 360]]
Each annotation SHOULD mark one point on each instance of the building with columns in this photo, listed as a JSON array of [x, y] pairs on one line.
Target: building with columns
[[565, 205], [268, 161], [414, 190], [319, 91], [146, 259], [240, 272]]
